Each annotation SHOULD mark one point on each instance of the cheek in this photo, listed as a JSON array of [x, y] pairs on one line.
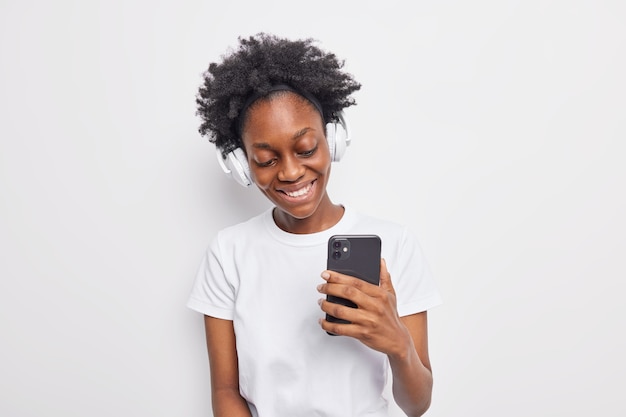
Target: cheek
[[261, 177], [323, 162]]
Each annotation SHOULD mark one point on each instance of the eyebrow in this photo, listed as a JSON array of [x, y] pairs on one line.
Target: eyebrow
[[298, 134]]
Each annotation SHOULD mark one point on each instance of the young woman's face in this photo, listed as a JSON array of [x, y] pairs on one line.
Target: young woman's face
[[288, 154]]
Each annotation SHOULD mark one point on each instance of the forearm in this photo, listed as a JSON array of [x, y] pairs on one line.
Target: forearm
[[412, 381], [229, 403]]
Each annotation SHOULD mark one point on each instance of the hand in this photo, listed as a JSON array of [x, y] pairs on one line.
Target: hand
[[375, 322]]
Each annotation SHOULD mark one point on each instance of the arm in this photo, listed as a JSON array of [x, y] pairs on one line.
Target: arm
[[412, 376], [376, 324], [220, 340]]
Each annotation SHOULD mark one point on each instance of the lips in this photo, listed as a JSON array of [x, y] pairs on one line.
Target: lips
[[298, 192]]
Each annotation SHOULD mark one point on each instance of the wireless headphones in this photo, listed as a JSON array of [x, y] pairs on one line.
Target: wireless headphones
[[235, 163]]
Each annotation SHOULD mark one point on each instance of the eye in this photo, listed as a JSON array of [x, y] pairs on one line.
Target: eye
[[266, 164], [308, 153]]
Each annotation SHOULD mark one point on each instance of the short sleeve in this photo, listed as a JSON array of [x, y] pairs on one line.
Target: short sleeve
[[413, 282], [212, 293]]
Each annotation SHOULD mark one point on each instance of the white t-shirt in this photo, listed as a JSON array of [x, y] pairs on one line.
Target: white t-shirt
[[264, 280]]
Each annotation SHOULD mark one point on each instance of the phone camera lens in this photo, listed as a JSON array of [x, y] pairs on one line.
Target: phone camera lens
[[336, 244], [336, 254]]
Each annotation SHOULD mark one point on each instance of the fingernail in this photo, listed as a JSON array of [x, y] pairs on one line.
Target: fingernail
[[320, 301], [319, 287], [325, 275]]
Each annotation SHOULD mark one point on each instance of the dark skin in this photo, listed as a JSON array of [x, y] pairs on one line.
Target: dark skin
[[290, 163], [377, 325], [289, 159]]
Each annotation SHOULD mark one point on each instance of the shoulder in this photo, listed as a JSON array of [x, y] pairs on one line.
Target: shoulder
[[235, 232], [396, 237], [380, 225]]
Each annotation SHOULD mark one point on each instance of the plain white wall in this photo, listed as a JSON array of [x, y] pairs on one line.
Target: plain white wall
[[494, 129]]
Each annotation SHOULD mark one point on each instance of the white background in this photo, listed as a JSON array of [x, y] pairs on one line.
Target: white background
[[494, 129]]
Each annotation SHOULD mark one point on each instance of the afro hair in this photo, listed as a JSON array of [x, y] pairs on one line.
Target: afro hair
[[261, 62]]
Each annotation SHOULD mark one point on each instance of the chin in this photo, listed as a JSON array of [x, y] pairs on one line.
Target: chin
[[298, 213]]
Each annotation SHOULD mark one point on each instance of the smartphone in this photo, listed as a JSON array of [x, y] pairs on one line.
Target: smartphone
[[355, 255]]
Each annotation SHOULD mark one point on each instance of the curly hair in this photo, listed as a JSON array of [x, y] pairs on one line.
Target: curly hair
[[263, 61]]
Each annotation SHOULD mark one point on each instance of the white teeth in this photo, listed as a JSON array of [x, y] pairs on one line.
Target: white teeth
[[302, 191]]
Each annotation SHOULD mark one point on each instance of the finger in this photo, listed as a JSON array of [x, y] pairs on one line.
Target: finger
[[340, 311], [385, 277], [333, 277], [339, 329], [349, 292], [364, 302]]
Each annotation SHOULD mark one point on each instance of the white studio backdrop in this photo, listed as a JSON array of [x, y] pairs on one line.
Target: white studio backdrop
[[493, 129]]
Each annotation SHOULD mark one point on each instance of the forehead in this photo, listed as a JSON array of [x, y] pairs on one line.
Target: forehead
[[281, 113]]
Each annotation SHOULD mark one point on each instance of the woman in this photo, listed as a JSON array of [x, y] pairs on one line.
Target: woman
[[273, 109]]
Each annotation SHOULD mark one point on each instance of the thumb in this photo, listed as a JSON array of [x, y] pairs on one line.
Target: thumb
[[385, 277]]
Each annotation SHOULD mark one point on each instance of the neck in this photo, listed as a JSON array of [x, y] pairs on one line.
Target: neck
[[326, 216]]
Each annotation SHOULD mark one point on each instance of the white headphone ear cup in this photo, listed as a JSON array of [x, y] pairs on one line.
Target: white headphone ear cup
[[338, 135], [340, 142], [330, 138], [241, 169], [235, 165]]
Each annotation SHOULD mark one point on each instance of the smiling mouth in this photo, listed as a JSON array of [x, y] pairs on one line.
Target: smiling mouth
[[300, 192]]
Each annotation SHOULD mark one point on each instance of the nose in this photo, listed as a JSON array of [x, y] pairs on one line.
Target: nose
[[291, 169]]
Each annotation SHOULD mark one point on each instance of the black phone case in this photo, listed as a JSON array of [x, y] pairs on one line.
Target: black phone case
[[360, 260]]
